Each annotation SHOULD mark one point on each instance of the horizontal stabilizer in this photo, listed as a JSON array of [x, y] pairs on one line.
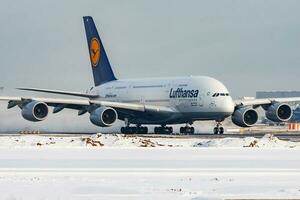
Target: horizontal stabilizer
[[78, 94]]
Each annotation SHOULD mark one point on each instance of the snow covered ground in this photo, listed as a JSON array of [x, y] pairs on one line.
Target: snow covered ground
[[122, 141], [119, 167]]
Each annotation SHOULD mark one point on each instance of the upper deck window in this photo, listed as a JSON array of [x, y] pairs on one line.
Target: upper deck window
[[148, 86], [121, 87]]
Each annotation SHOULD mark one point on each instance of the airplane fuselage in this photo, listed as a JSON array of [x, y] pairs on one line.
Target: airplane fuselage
[[191, 98]]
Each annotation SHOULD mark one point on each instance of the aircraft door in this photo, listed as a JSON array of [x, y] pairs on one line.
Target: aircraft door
[[174, 101], [142, 100], [201, 99]]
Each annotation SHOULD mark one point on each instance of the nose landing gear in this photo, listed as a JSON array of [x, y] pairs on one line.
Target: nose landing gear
[[218, 129]]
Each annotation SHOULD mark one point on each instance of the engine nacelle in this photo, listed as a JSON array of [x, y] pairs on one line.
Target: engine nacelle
[[279, 112], [35, 111], [244, 117], [104, 116]]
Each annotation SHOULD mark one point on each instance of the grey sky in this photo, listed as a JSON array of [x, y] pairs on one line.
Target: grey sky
[[248, 45]]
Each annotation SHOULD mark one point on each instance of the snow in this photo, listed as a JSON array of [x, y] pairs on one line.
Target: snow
[[122, 167], [119, 140]]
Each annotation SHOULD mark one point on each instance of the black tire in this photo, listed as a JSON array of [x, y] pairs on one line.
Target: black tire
[[192, 130], [216, 130], [139, 130], [182, 130], [132, 130], [145, 130], [221, 130]]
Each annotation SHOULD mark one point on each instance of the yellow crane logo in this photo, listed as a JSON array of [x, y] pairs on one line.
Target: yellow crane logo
[[95, 51]]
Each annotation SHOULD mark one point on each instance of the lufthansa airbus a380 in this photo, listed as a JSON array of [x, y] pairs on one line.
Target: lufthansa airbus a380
[[156, 101]]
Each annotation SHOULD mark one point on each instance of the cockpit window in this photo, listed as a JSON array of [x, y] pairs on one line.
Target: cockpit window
[[220, 94]]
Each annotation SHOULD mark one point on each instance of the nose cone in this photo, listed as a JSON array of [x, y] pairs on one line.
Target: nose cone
[[228, 106], [225, 108], [225, 103]]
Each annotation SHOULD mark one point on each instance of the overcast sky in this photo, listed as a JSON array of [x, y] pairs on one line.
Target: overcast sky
[[248, 45]]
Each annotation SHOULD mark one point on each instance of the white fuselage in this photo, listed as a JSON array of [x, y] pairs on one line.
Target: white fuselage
[[192, 98]]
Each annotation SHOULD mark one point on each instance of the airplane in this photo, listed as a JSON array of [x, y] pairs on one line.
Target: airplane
[[150, 101]]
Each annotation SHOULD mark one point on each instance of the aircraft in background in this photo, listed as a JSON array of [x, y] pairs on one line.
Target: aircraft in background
[[156, 101]]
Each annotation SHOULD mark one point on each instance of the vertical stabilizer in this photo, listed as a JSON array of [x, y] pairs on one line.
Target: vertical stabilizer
[[102, 70]]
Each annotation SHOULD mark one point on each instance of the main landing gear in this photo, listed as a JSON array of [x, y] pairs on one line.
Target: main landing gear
[[134, 130], [169, 130], [163, 130], [189, 130], [218, 129]]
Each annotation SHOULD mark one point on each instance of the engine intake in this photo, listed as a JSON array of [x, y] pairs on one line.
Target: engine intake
[[244, 117], [104, 116], [35, 111], [279, 112]]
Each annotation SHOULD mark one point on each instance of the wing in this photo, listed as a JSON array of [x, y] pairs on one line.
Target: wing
[[83, 105], [78, 94], [266, 101]]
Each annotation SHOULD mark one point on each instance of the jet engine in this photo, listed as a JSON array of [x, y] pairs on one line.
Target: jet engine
[[103, 116], [279, 112], [35, 111], [244, 117]]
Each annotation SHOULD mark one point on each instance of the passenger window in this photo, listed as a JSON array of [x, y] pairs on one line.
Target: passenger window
[[217, 94]]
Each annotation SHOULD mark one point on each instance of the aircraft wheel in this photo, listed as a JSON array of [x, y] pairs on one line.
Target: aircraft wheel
[[134, 130], [145, 130], [216, 130], [122, 129], [142, 130], [192, 130], [163, 130], [181, 130], [170, 130], [187, 130], [129, 130], [221, 130]]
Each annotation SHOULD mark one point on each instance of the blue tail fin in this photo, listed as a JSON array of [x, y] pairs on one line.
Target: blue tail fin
[[102, 71]]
